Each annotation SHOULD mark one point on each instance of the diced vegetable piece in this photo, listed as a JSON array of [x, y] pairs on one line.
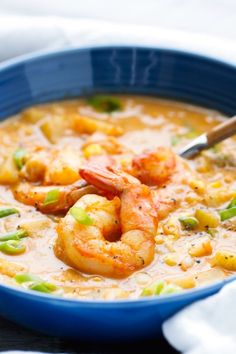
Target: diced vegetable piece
[[189, 222], [9, 173], [81, 216], [53, 128], [207, 218], [33, 115], [160, 288], [25, 278], [105, 103], [19, 158], [8, 211], [153, 289], [9, 268], [86, 125], [170, 289], [12, 247], [201, 248], [43, 287], [15, 235], [225, 259], [52, 197], [186, 282]]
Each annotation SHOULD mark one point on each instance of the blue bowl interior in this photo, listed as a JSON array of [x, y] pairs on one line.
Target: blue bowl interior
[[158, 72], [73, 73]]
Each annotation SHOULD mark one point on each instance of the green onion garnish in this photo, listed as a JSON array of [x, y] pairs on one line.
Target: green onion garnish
[[227, 213], [81, 216], [12, 247], [15, 235], [7, 212], [35, 283], [25, 278], [43, 287], [189, 222], [161, 288], [19, 157], [52, 197], [105, 103], [232, 204]]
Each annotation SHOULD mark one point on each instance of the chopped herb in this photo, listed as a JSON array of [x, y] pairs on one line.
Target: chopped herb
[[81, 216], [15, 235], [189, 222], [52, 197], [105, 103], [7, 212], [19, 158], [12, 247], [227, 213]]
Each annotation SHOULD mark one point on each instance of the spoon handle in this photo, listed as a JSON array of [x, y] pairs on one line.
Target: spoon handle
[[222, 131], [205, 141]]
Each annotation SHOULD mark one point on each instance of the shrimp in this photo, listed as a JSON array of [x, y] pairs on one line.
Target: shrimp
[[52, 166], [64, 196], [120, 239], [154, 167]]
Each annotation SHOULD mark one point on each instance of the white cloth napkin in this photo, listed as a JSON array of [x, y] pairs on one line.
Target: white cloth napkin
[[208, 326]]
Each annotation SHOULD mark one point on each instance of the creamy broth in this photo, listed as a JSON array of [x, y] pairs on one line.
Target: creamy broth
[[185, 256]]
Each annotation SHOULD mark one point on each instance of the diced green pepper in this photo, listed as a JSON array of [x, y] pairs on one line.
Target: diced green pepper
[[81, 216], [232, 204], [160, 288]]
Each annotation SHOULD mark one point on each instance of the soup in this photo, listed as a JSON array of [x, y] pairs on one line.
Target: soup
[[95, 202]]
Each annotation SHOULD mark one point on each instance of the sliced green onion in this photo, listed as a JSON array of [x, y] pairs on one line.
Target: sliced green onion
[[170, 289], [81, 216], [52, 197], [12, 247], [7, 212], [19, 157], [43, 287], [153, 289], [15, 235], [227, 213], [26, 278], [105, 103], [232, 204], [189, 222], [160, 288]]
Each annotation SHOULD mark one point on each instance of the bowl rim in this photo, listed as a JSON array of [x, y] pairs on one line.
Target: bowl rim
[[186, 295]]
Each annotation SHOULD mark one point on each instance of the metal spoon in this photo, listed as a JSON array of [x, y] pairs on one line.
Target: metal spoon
[[206, 140]]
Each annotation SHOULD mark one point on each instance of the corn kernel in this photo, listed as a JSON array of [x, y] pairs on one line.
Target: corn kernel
[[159, 239], [186, 263], [92, 150], [216, 184], [197, 185], [172, 227], [172, 259], [207, 218], [186, 282]]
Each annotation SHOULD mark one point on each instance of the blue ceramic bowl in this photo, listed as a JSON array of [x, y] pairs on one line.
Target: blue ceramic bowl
[[72, 73]]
